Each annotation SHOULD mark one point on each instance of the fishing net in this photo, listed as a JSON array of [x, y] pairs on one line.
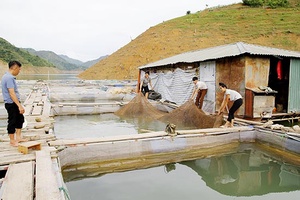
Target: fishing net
[[139, 107], [189, 116], [185, 116]]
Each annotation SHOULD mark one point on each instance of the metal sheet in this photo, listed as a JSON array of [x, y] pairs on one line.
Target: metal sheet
[[208, 75], [231, 71], [294, 86], [229, 50], [257, 72]]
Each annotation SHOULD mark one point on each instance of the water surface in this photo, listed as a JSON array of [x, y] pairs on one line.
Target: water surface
[[92, 126], [247, 174]]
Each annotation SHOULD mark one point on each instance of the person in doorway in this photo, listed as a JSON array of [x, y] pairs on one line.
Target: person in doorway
[[200, 89], [230, 95], [13, 106], [144, 84]]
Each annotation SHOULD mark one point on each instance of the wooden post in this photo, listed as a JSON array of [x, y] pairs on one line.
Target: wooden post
[[138, 82]]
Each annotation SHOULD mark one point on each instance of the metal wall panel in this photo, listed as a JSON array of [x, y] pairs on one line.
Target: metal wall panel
[[231, 71], [257, 71], [208, 75], [294, 86]]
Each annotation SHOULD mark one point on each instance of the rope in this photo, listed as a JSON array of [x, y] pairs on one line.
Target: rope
[[65, 192]]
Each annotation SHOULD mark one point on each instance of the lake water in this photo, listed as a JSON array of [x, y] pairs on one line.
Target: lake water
[[72, 76], [249, 173], [92, 126]]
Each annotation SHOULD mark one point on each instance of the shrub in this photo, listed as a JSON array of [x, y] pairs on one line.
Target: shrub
[[253, 3], [277, 3], [269, 3]]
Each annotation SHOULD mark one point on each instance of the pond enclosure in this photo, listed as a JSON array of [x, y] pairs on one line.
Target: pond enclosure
[[86, 157]]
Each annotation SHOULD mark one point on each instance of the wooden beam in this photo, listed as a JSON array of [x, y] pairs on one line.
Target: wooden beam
[[18, 182], [72, 142], [37, 110], [28, 109], [248, 121], [215, 130], [16, 159], [83, 141], [47, 187], [285, 119], [91, 104]]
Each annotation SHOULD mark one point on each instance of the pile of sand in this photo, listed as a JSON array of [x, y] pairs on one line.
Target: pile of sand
[[139, 107], [185, 116], [188, 115]]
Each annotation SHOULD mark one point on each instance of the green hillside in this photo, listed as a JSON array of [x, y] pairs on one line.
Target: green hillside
[[59, 61], [32, 58], [277, 28], [9, 52]]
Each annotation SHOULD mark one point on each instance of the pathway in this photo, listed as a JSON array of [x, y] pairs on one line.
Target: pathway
[[36, 174]]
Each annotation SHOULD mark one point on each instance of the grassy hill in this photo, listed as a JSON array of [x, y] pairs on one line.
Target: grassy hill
[[40, 61], [277, 28], [61, 62], [10, 52]]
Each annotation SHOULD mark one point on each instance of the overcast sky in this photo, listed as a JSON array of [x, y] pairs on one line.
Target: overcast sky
[[86, 30]]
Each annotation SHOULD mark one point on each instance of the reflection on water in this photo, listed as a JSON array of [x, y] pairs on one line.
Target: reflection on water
[[91, 126], [248, 173]]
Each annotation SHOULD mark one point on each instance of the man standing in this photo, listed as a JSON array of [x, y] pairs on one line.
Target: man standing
[[13, 106], [201, 90]]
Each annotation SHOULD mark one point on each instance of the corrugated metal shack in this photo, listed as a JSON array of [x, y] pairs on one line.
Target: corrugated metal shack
[[247, 68]]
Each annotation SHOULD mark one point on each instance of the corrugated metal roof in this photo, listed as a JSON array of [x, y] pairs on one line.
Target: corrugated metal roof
[[223, 51]]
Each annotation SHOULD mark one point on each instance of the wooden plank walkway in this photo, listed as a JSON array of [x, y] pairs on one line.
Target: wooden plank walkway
[[18, 182], [47, 187], [33, 172]]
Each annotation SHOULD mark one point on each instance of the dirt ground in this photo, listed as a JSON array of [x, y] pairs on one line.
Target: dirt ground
[[202, 30]]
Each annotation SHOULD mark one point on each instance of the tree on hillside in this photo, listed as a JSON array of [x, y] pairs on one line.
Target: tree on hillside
[[9, 52], [268, 3]]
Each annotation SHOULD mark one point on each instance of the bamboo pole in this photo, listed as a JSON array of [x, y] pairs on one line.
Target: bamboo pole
[[158, 134], [284, 119]]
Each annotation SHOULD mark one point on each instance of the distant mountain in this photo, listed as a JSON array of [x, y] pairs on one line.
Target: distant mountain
[[31, 57], [57, 60], [92, 62], [80, 63], [64, 62], [9, 52], [71, 60]]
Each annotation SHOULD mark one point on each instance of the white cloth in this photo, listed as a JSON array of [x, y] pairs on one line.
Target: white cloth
[[200, 85], [175, 86], [233, 95]]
